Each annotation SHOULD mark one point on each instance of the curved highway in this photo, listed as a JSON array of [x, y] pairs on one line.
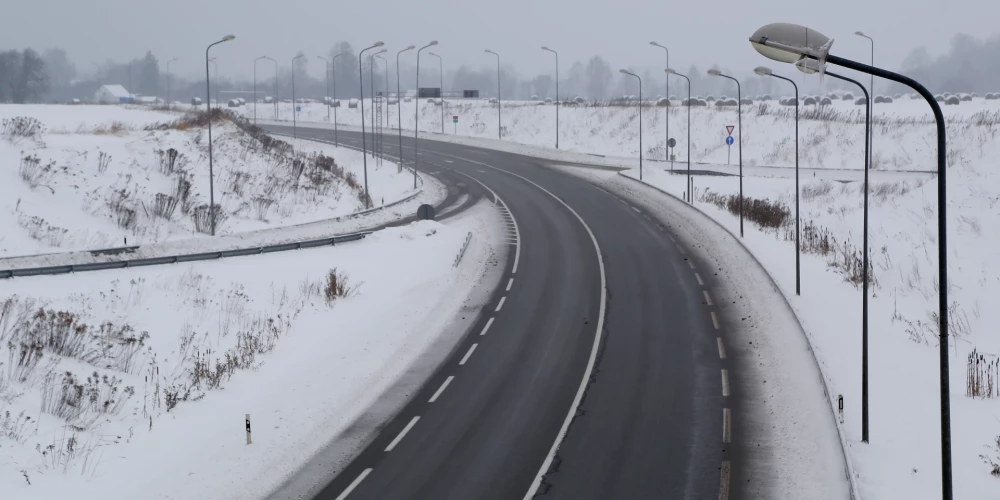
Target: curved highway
[[597, 371]]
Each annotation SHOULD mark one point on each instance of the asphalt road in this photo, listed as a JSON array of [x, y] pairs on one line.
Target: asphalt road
[[651, 420]]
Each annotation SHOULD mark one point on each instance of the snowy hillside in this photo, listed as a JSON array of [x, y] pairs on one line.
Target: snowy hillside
[[88, 177]]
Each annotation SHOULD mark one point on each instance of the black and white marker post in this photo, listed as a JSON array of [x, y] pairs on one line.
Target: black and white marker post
[[248, 429]]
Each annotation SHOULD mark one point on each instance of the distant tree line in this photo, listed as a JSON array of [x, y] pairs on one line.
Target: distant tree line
[[22, 76]]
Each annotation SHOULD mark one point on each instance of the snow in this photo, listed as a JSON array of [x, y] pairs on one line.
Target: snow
[[93, 178], [317, 365]]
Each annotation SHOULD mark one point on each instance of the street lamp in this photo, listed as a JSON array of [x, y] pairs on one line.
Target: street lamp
[[666, 156], [333, 73], [739, 118], [499, 122], [294, 104], [871, 87], [625, 72], [557, 93], [690, 196], [789, 43], [381, 137], [441, 68], [763, 71], [255, 87], [211, 176], [215, 66], [168, 81], [130, 91], [809, 66], [416, 114], [361, 89], [399, 114], [371, 83], [328, 104]]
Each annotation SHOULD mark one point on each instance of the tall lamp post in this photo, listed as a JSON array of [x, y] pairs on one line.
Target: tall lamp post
[[131, 93], [215, 66], [690, 196], [790, 43], [441, 69], [361, 89], [333, 73], [381, 136], [739, 119], [328, 103], [871, 87], [416, 114], [255, 87], [666, 155], [295, 110], [399, 114], [208, 102], [626, 72], [168, 80], [763, 71], [557, 93], [499, 122], [371, 83]]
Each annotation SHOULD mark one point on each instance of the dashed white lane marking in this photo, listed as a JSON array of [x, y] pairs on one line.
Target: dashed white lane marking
[[672, 238], [725, 382], [722, 348], [715, 320], [502, 300], [466, 357], [691, 264], [354, 484], [636, 210], [727, 429], [487, 327], [698, 276], [724, 481], [708, 300], [509, 283], [448, 161], [441, 389], [681, 250], [402, 434]]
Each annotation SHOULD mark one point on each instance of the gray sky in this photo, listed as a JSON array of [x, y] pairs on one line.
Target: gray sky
[[704, 32]]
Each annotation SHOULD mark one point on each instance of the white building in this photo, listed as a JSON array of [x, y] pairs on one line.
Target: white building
[[112, 94]]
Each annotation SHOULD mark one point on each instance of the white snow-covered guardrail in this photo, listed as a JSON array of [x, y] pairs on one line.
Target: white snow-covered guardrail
[[173, 259], [461, 253]]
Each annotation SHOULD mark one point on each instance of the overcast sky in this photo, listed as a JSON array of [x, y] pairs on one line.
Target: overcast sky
[[703, 32]]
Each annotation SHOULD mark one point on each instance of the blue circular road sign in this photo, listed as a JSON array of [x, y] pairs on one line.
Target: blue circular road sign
[[729, 141]]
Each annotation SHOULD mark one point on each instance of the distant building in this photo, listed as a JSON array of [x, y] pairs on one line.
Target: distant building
[[147, 99], [112, 94]]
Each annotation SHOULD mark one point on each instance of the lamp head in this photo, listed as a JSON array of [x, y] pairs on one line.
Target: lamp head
[[623, 72], [859, 33], [810, 66], [670, 71], [762, 71], [411, 47], [787, 43], [228, 38], [378, 44], [714, 72], [433, 42], [545, 48], [654, 43]]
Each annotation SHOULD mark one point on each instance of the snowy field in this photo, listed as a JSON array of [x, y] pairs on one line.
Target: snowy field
[[90, 177], [133, 384]]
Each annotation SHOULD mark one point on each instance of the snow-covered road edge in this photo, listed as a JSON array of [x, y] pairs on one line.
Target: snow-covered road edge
[[849, 466]]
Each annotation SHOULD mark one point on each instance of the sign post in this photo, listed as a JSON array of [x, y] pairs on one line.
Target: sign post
[[454, 119], [729, 143], [671, 143]]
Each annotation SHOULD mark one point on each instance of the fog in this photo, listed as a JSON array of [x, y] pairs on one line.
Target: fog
[[948, 45]]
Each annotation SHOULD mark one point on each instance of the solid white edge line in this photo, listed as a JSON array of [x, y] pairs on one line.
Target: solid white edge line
[[698, 277], [636, 210], [402, 433], [708, 300], [502, 300], [487, 327], [727, 422], [715, 320], [509, 283], [441, 389], [724, 481], [517, 231], [466, 357], [725, 382], [722, 348], [354, 484], [597, 333]]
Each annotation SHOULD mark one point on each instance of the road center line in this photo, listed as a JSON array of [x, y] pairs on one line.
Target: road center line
[[502, 300], [715, 320], [698, 276], [708, 300], [727, 426], [725, 382], [681, 250], [509, 283], [403, 433], [441, 389], [636, 210], [691, 264], [487, 327], [724, 481], [722, 348], [466, 357], [354, 484]]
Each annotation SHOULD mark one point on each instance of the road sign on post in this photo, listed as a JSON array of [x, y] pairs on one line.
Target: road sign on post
[[729, 129], [454, 119], [729, 148], [670, 144]]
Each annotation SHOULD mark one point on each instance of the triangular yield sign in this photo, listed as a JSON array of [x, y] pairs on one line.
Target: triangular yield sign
[[729, 128]]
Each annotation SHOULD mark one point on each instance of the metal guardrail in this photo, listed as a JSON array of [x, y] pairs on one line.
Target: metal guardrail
[[174, 259]]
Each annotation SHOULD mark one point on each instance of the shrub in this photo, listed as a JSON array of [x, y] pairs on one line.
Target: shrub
[[879, 99], [848, 96], [103, 160], [952, 101], [861, 101], [21, 127], [336, 286], [763, 213], [202, 217], [164, 206], [826, 101], [809, 101], [34, 174]]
